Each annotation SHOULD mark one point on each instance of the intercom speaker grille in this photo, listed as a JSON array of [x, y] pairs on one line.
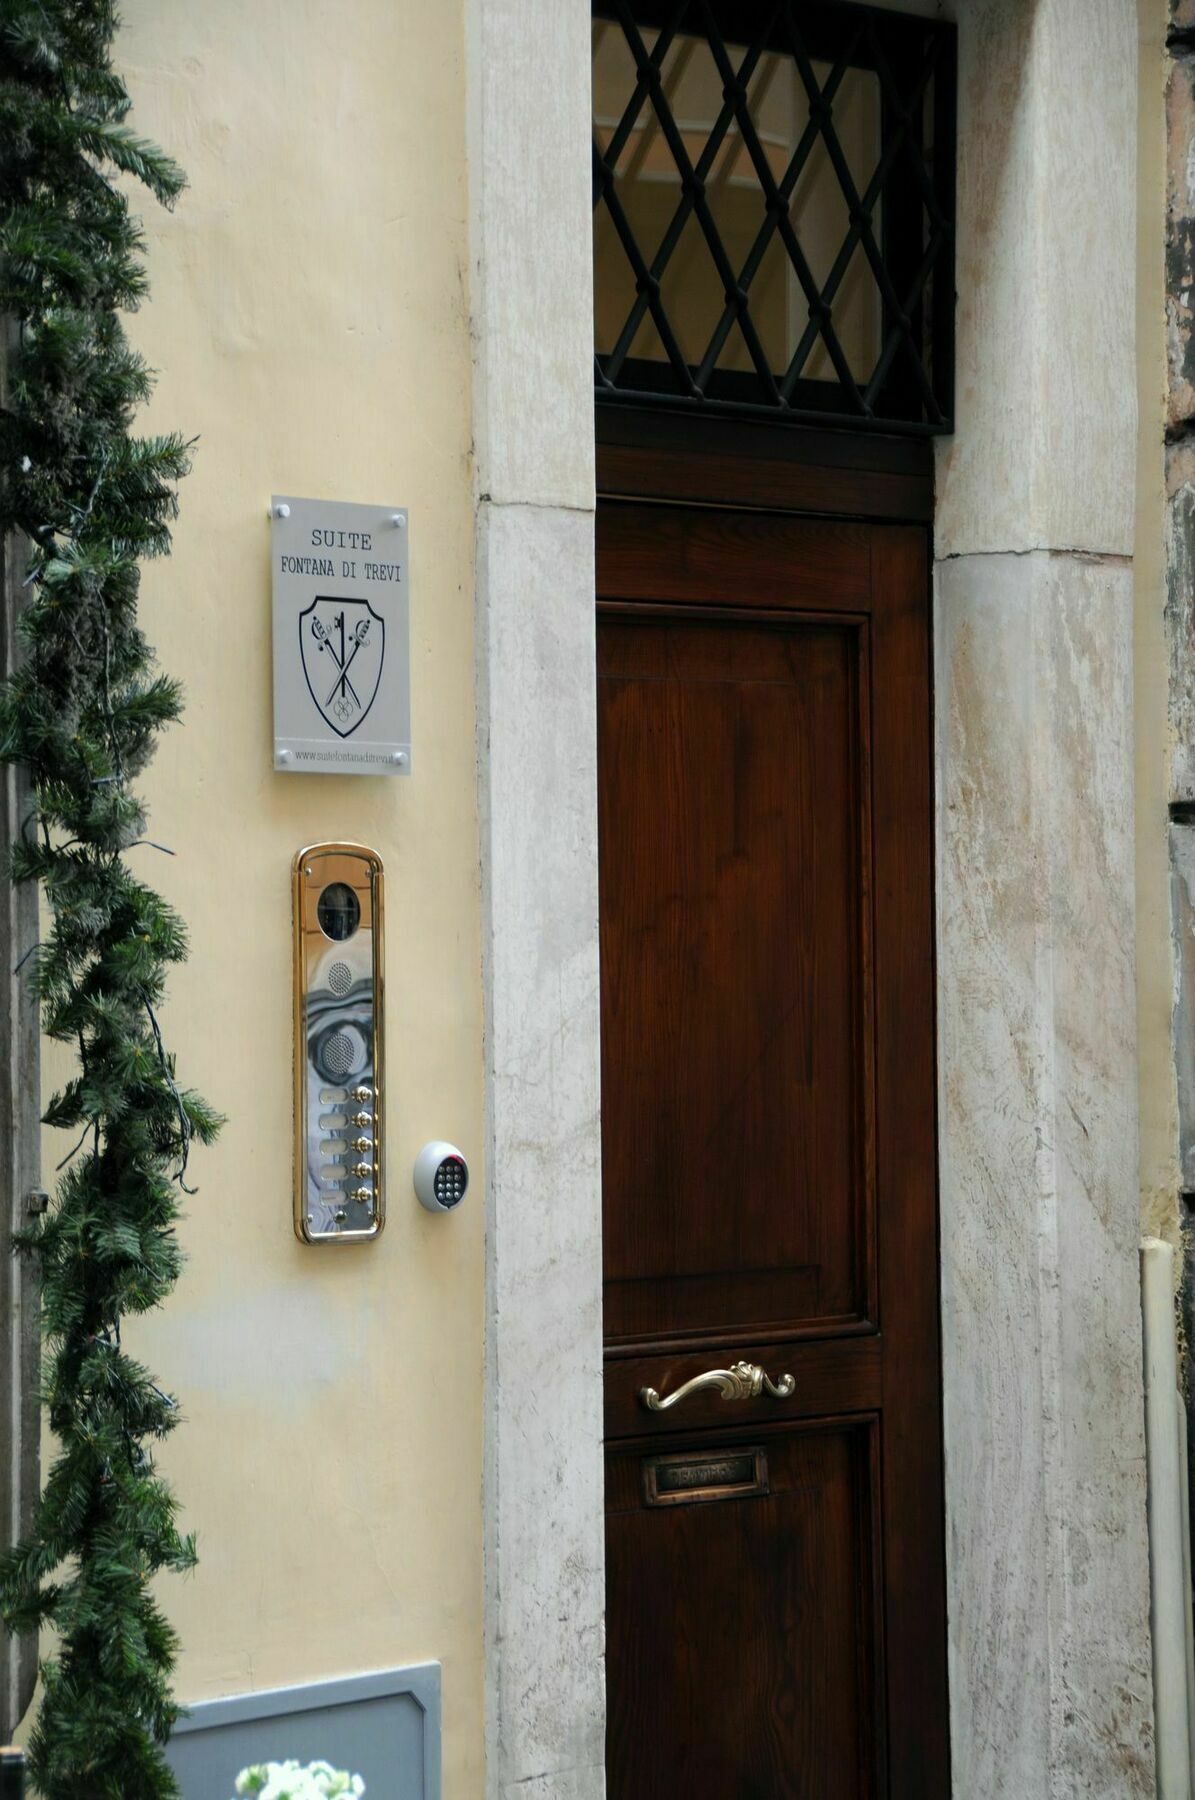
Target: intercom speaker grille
[[340, 979], [340, 1053]]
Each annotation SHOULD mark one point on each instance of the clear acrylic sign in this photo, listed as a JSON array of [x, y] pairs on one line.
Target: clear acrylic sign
[[342, 690]]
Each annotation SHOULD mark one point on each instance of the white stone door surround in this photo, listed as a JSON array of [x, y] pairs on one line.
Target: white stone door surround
[[1045, 1484]]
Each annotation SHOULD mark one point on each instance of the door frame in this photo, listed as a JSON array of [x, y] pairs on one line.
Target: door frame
[[1045, 1489]]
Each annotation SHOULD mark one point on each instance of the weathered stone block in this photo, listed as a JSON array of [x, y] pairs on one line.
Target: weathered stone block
[[1180, 240], [1046, 379], [1182, 925], [1180, 638], [1040, 1219], [544, 1555]]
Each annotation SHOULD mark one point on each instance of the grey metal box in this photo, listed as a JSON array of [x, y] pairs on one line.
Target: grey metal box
[[384, 1726]]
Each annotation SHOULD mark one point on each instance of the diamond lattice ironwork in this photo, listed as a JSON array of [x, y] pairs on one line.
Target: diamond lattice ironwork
[[774, 210]]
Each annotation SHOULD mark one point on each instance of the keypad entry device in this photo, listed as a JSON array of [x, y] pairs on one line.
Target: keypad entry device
[[339, 1188]]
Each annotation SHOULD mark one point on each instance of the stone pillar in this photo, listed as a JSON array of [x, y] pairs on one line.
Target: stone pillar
[[1180, 631], [534, 445], [1180, 556], [1048, 1575]]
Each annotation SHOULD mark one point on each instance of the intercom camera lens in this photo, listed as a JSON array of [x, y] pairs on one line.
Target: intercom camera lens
[[338, 911]]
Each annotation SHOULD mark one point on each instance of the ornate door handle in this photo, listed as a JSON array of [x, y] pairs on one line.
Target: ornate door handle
[[742, 1381]]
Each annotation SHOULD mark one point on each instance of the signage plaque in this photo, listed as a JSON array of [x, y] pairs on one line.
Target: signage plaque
[[342, 691]]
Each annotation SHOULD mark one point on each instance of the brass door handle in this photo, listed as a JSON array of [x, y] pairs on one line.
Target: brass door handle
[[742, 1381]]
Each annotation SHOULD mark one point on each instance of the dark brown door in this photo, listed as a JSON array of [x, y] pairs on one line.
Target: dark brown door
[[774, 1546]]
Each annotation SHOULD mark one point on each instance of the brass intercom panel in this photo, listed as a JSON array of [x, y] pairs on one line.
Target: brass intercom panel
[[340, 1194]]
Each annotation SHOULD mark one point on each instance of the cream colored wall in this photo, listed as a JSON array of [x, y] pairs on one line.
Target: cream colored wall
[[1155, 978], [309, 320]]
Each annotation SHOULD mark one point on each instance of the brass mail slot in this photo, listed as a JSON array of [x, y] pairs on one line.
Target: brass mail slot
[[717, 1475]]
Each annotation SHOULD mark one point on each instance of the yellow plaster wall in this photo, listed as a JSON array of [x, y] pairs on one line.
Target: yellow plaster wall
[[1158, 1104], [309, 319]]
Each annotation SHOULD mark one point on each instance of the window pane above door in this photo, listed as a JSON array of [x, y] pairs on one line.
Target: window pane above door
[[772, 210]]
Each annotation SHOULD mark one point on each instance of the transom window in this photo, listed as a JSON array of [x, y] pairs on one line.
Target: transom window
[[774, 210]]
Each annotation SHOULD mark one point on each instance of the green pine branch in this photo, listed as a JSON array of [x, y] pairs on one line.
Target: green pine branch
[[83, 713]]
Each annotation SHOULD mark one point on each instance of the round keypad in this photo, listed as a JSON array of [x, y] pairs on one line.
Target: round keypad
[[451, 1180]]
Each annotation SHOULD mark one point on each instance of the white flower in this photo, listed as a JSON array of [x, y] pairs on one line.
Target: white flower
[[292, 1781]]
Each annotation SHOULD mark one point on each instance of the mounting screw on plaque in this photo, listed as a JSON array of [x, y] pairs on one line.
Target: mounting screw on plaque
[[441, 1177]]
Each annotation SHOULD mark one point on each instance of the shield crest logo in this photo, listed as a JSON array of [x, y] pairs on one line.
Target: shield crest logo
[[342, 643]]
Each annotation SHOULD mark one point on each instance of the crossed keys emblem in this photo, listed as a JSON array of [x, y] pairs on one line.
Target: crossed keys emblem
[[341, 643], [344, 696]]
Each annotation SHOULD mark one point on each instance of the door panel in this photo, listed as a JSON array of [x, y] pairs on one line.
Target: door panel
[[735, 826], [769, 1601], [682, 555], [768, 1157]]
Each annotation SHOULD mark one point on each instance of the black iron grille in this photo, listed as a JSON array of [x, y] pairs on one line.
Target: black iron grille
[[773, 187]]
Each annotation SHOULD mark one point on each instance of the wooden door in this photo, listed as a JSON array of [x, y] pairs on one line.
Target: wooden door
[[774, 1547]]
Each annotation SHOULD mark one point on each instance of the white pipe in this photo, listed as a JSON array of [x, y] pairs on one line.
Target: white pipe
[[1188, 1616], [1169, 1610]]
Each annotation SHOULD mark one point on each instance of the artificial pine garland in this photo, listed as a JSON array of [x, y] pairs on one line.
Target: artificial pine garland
[[83, 712]]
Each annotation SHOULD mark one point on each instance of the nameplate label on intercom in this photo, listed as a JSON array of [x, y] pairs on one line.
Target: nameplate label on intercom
[[342, 699]]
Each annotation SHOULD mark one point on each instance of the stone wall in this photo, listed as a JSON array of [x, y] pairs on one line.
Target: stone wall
[[1051, 1689], [1180, 549]]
